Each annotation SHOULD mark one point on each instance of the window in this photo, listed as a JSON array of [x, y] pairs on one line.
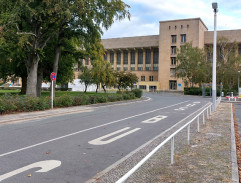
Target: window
[[155, 68], [133, 57], [140, 68], [148, 56], [181, 26], [174, 50], [172, 85], [143, 87], [140, 56], [173, 60], [172, 72], [105, 56], [187, 26], [87, 61], [239, 49], [175, 27], [112, 57], [125, 68], [132, 68], [183, 38], [125, 57], [151, 78], [155, 56], [142, 78], [118, 68], [174, 38], [118, 58], [148, 68], [169, 27]]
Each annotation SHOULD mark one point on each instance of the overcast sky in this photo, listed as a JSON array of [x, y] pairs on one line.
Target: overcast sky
[[146, 14]]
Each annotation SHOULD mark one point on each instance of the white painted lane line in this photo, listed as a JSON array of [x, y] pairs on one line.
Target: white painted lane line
[[154, 119], [44, 165], [88, 129], [100, 141]]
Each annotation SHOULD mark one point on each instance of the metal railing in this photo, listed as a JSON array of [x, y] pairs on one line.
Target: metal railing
[[201, 114]]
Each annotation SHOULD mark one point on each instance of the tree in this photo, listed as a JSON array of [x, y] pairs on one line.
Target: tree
[[125, 80], [192, 65], [86, 77], [37, 22]]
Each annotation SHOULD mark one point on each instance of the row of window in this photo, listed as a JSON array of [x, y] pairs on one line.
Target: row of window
[[183, 38], [139, 68], [172, 86], [143, 78], [133, 56], [176, 27]]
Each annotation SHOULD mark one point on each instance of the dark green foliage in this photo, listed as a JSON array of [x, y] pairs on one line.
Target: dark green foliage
[[17, 103], [63, 101], [137, 92]]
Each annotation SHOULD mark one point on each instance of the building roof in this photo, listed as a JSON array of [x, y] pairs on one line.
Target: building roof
[[131, 42], [231, 35], [188, 19]]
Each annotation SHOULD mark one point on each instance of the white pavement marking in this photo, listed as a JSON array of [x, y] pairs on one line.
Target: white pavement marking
[[44, 165], [100, 141], [88, 129], [154, 119]]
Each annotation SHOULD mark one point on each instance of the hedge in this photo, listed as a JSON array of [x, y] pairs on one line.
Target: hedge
[[15, 103], [198, 91]]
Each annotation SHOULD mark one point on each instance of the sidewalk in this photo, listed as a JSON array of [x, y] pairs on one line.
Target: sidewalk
[[210, 157]]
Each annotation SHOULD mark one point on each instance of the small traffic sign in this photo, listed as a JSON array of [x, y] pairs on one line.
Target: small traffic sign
[[52, 76]]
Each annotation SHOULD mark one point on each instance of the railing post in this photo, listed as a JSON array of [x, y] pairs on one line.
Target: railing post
[[208, 114], [172, 150], [198, 126], [188, 134], [203, 118], [210, 109]]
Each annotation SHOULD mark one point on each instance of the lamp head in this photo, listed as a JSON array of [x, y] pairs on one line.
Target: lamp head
[[215, 7]]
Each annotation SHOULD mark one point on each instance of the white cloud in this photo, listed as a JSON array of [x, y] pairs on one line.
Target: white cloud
[[147, 14]]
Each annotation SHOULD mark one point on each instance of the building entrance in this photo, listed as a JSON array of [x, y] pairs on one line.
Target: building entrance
[[172, 85]]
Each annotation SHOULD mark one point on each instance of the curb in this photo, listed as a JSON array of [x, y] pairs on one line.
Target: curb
[[235, 174]]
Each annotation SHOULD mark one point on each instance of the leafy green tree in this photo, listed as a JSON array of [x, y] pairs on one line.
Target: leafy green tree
[[86, 77], [125, 80], [37, 22], [192, 65]]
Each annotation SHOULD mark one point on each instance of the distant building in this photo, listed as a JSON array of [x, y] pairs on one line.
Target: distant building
[[153, 58]]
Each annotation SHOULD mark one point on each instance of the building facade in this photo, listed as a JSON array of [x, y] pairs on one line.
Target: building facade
[[153, 58]]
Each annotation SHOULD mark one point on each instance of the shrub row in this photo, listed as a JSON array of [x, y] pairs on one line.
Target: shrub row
[[16, 103], [198, 91]]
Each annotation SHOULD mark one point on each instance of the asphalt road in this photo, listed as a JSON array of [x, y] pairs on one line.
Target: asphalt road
[[75, 147]]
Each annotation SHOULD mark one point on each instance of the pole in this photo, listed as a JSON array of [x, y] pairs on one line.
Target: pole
[[238, 82], [214, 63], [52, 94]]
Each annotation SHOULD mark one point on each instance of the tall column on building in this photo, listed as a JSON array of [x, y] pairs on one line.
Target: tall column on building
[[122, 60], [152, 59], [115, 60], [136, 60], [144, 59], [129, 60]]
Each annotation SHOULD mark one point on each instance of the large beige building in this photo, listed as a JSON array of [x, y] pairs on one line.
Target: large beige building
[[153, 58]]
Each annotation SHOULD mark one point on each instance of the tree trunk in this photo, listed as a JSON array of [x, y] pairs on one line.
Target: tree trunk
[[56, 59], [32, 77], [103, 86], [39, 82], [86, 88], [24, 85], [97, 87]]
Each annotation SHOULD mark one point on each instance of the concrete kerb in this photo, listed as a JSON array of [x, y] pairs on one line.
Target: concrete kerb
[[235, 174], [27, 116]]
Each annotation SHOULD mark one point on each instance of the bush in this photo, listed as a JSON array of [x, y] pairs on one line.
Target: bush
[[101, 99], [92, 99], [80, 100], [112, 98], [193, 91], [63, 101], [137, 92]]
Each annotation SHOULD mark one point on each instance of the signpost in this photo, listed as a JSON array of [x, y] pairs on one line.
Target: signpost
[[52, 77]]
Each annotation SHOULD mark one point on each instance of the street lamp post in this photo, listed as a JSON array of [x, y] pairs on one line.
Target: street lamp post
[[214, 94], [238, 82]]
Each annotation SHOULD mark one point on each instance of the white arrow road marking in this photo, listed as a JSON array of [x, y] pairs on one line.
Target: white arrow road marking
[[100, 141], [44, 165], [155, 119], [196, 102]]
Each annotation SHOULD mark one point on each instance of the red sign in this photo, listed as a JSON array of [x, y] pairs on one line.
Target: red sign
[[52, 76]]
